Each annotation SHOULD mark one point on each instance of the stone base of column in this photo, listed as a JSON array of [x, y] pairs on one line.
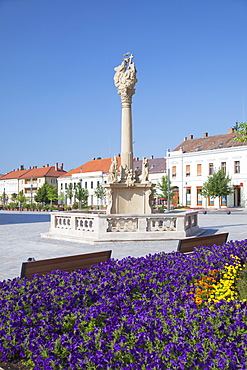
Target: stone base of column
[[124, 199]]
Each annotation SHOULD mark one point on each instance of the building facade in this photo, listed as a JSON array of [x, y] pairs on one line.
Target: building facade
[[95, 172], [29, 181], [194, 160]]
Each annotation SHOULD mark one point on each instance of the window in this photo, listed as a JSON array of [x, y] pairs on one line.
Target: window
[[61, 186], [97, 184], [211, 169], [223, 201], [199, 196], [211, 201], [92, 186], [85, 184], [223, 166], [237, 167], [187, 170], [188, 196], [74, 185], [199, 170], [174, 171], [65, 185]]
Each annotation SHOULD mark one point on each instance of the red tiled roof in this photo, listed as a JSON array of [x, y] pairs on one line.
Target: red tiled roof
[[43, 172], [209, 143], [155, 165], [94, 166], [14, 174]]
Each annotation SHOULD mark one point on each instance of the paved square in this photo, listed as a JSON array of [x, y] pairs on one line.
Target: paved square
[[20, 239]]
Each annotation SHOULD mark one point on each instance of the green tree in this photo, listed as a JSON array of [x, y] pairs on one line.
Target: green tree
[[4, 198], [162, 188], [52, 194], [70, 192], [217, 185], [241, 129], [100, 193], [13, 197], [61, 198], [42, 194], [21, 197], [81, 195]]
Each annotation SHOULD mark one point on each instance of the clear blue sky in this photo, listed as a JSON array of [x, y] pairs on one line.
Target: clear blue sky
[[58, 102]]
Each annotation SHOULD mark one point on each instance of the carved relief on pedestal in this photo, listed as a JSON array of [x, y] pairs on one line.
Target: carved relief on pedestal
[[125, 78], [109, 200]]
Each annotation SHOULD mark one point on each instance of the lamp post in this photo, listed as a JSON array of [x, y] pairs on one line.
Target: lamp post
[[168, 182], [4, 196], [31, 191], [81, 188]]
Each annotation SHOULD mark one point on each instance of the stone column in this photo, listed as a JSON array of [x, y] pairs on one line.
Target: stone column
[[125, 80], [127, 139]]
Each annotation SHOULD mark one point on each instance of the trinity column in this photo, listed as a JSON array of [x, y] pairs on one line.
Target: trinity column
[[129, 194], [125, 80]]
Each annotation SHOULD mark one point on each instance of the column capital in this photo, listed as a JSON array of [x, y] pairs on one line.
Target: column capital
[[126, 94]]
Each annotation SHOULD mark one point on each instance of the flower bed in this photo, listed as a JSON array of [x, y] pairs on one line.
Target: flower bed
[[135, 313]]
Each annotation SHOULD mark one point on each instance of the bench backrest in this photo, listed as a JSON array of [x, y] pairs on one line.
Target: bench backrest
[[187, 245], [70, 263]]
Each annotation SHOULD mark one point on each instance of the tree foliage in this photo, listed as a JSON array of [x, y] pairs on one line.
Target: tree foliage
[[44, 193], [70, 192], [52, 194], [217, 185], [162, 188], [241, 129], [21, 197], [81, 195], [100, 193]]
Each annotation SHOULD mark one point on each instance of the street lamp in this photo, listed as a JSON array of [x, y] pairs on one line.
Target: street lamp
[[168, 182]]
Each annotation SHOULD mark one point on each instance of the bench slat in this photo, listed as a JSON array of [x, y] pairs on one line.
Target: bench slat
[[187, 245], [69, 263]]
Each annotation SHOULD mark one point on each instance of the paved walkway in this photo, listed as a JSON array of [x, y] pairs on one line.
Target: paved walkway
[[20, 239]]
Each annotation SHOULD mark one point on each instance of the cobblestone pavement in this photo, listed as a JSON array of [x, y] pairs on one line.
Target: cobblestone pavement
[[20, 239]]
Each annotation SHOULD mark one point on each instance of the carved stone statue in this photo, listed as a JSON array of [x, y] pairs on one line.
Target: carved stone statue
[[130, 181], [144, 177], [125, 77], [113, 171]]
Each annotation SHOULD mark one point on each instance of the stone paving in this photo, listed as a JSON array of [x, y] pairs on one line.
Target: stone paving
[[20, 239]]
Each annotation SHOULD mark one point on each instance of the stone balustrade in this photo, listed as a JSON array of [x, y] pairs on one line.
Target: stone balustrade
[[90, 227]]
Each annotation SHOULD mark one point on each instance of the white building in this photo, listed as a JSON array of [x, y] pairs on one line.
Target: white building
[[28, 181], [194, 160], [96, 172]]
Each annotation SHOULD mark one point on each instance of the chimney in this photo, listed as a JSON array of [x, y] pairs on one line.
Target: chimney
[[30, 167], [56, 166], [21, 167], [93, 159], [205, 134], [185, 138], [47, 165], [230, 130], [190, 137], [152, 157], [61, 166]]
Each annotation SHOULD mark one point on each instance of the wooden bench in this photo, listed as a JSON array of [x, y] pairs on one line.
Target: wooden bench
[[70, 263], [187, 245]]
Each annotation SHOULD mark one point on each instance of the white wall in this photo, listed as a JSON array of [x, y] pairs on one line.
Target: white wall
[[217, 156]]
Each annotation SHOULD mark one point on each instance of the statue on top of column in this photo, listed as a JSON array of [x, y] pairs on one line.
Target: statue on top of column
[[125, 76]]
